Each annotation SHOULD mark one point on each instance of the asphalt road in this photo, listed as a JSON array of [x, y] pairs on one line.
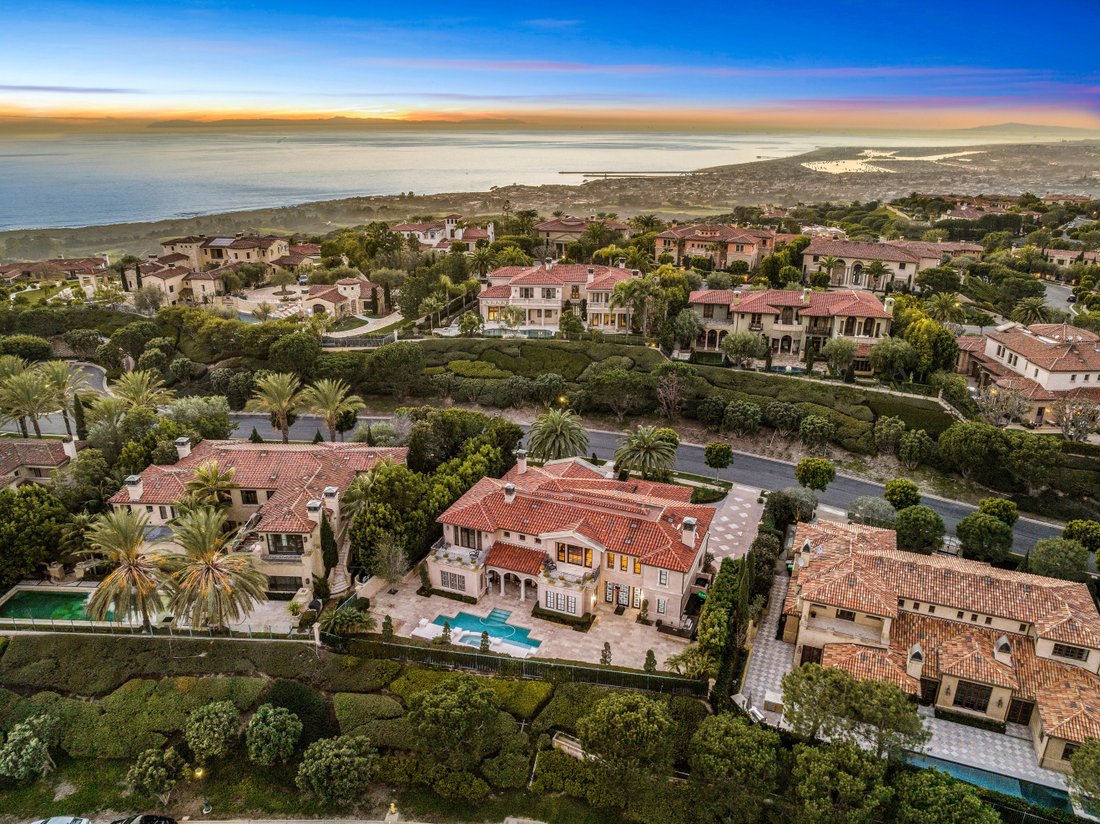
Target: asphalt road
[[1057, 296], [748, 470]]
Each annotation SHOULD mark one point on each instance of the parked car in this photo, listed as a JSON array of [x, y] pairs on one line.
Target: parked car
[[1071, 299], [148, 818], [63, 819]]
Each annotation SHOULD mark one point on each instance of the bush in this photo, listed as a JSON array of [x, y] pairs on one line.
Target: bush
[[393, 734], [570, 703], [354, 710], [211, 730], [920, 529], [460, 785], [271, 735], [522, 699], [507, 771], [407, 771], [971, 720], [581, 624], [306, 703], [707, 494], [477, 369]]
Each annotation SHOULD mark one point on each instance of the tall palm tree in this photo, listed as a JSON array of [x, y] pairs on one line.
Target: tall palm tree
[[211, 486], [1030, 310], [211, 587], [136, 585], [331, 399], [482, 260], [141, 388], [66, 383], [557, 433], [945, 308], [513, 256], [75, 537], [11, 365], [27, 395], [637, 294], [875, 271], [609, 253], [646, 223], [638, 258], [829, 263], [645, 451], [431, 306], [277, 394]]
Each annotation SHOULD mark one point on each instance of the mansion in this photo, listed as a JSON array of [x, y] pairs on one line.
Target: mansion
[[902, 259], [721, 245], [34, 460], [441, 235], [968, 638], [281, 494], [557, 234], [572, 538]]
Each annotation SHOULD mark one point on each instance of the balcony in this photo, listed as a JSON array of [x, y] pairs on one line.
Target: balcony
[[452, 554], [259, 552], [756, 327], [572, 580], [848, 629]]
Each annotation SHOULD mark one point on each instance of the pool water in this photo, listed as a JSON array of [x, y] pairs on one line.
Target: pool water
[[495, 623], [1031, 792], [59, 606]]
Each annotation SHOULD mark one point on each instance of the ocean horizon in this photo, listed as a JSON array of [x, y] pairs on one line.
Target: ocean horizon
[[73, 180]]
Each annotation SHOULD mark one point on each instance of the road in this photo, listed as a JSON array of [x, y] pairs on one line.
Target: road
[[748, 470], [1057, 296]]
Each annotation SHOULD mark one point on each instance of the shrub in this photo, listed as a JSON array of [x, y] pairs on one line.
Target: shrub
[[460, 785], [271, 735], [336, 770], [477, 369], [580, 624], [920, 529], [354, 710], [210, 730], [707, 494], [901, 493], [570, 703], [507, 771], [306, 703], [393, 734], [983, 537], [407, 770]]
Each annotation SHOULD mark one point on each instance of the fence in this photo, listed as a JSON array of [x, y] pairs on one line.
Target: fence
[[451, 658], [367, 342], [161, 631]]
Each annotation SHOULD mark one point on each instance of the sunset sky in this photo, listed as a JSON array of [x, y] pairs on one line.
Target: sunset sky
[[836, 64]]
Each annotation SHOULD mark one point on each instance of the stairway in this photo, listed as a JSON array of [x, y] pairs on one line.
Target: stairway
[[339, 581]]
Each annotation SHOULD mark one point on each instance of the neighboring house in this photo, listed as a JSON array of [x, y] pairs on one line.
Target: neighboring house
[[348, 296], [989, 644], [53, 269], [930, 255], [1068, 257], [172, 275], [284, 492], [1044, 362], [169, 279], [546, 290], [722, 245], [559, 232], [300, 254], [791, 320], [33, 460], [572, 538], [442, 234], [854, 256], [202, 251], [1066, 200]]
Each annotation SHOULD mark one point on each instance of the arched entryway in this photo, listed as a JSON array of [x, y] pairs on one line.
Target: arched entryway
[[785, 345], [857, 274]]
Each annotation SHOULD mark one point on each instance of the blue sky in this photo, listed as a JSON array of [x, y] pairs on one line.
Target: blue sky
[[931, 63]]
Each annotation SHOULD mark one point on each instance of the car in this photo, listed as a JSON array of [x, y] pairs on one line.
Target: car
[[63, 819], [148, 818], [1071, 299]]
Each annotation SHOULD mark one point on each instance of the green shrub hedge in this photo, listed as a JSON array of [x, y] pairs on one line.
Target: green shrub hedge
[[309, 705], [393, 734], [477, 369], [353, 710], [580, 624], [570, 703]]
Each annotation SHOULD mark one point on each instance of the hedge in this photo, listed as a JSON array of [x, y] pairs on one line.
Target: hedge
[[393, 734], [522, 699], [971, 720], [580, 624], [570, 703], [477, 369], [353, 710]]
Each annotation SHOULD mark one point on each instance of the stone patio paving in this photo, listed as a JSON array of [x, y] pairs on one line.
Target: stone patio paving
[[629, 639], [770, 659], [734, 525]]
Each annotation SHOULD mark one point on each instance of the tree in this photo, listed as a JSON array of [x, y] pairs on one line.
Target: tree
[[887, 719], [206, 416], [27, 396], [1084, 780], [134, 586], [742, 417], [1005, 511], [548, 388], [718, 456], [686, 327], [1076, 417], [817, 701], [620, 390], [674, 380], [1059, 558], [939, 279], [66, 383], [815, 431], [470, 325], [650, 662], [784, 417], [984, 537], [210, 485], [933, 797], [887, 434], [627, 737], [920, 529], [867, 509], [277, 394], [945, 308], [211, 729], [1084, 532], [971, 445], [839, 353], [141, 388], [456, 719], [555, 434], [156, 772], [1000, 405], [26, 753], [1031, 310], [734, 766], [337, 770], [570, 325], [31, 523], [815, 473], [296, 353], [916, 447], [743, 347], [1030, 459], [209, 586], [936, 348], [83, 342], [644, 451], [605, 655], [148, 299], [839, 784], [271, 735], [331, 399], [711, 410], [390, 562]]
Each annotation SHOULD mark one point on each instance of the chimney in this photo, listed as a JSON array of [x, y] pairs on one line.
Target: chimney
[[183, 447], [331, 497], [591, 270], [621, 263], [687, 534], [69, 445], [915, 665], [1002, 651], [521, 461], [509, 493], [314, 511], [888, 305], [134, 487], [806, 295], [548, 263]]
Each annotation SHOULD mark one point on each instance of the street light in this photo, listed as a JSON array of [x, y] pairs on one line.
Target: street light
[[199, 774]]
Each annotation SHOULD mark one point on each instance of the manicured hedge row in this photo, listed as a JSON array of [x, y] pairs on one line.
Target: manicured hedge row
[[353, 710], [523, 699]]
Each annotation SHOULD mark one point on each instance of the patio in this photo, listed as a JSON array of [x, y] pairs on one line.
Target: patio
[[734, 526], [629, 639]]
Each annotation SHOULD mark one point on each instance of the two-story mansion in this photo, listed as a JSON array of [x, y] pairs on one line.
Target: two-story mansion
[[790, 320], [545, 290], [902, 260], [283, 491], [573, 537], [722, 245], [963, 636], [197, 252]]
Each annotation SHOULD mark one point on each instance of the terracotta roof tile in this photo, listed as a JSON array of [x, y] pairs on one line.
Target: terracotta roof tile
[[519, 559]]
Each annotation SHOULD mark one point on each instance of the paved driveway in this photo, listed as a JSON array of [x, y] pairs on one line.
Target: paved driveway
[[734, 525]]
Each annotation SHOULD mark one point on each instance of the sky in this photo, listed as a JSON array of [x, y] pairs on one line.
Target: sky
[[792, 64]]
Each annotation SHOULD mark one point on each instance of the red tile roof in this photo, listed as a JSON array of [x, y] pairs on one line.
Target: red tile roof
[[717, 233], [519, 559], [713, 296], [560, 273], [856, 249], [844, 303], [16, 453], [870, 664], [577, 225], [1058, 353]]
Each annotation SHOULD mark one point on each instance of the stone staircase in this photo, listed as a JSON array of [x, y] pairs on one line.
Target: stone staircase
[[339, 581]]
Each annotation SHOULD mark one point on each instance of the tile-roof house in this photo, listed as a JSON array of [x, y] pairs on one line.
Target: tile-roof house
[[721, 244], [33, 460], [557, 233], [855, 256], [283, 492], [962, 635], [572, 536]]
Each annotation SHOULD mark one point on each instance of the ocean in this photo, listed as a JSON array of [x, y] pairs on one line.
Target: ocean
[[93, 179]]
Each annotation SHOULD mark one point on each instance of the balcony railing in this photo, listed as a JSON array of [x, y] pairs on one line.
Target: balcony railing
[[756, 327], [443, 550], [570, 579], [258, 549]]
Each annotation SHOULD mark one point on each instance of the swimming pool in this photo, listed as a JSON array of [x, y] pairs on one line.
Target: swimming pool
[[46, 604], [1034, 793], [495, 623]]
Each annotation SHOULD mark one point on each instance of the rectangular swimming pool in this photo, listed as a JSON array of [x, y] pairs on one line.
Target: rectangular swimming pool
[[495, 623], [1028, 790], [48, 604]]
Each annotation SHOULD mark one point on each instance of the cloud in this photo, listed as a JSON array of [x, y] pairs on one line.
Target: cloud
[[551, 23], [67, 89]]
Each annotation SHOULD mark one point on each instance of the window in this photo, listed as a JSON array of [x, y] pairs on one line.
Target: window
[[549, 600], [637, 598], [469, 538], [662, 577], [1068, 749], [1071, 652], [571, 604], [931, 608], [1023, 627], [637, 566], [989, 619], [248, 497], [164, 513], [708, 310], [661, 604], [845, 615], [1073, 379], [525, 292], [149, 509], [453, 580], [283, 583], [280, 544], [960, 615], [901, 265], [609, 592], [549, 294], [916, 605], [611, 560], [973, 617], [622, 562], [974, 697], [574, 555]]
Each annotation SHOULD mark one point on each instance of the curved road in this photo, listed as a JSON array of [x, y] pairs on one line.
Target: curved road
[[748, 470]]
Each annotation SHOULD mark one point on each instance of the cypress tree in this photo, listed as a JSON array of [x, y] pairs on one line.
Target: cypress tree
[[255, 436], [318, 438], [328, 545], [78, 419]]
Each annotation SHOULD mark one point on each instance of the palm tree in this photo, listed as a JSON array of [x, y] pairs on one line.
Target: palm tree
[[513, 256], [829, 263], [75, 536], [66, 383], [211, 485], [135, 586], [346, 620], [482, 260], [875, 271], [645, 451], [277, 394], [10, 366], [141, 388], [609, 253], [636, 294], [331, 399], [646, 223], [209, 586], [638, 258], [945, 308], [27, 395], [431, 306], [1030, 310], [557, 433]]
